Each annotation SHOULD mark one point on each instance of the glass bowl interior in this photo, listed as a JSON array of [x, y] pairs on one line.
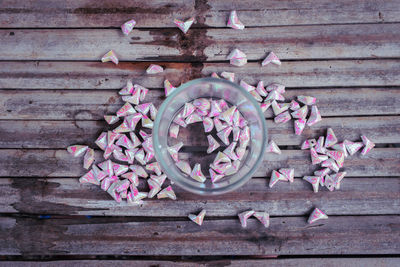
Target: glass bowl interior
[[213, 88]]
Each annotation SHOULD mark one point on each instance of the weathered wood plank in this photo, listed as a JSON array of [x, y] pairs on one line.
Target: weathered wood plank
[[66, 196], [160, 13], [294, 74], [59, 134], [93, 105], [299, 262], [58, 163], [305, 42], [122, 236]]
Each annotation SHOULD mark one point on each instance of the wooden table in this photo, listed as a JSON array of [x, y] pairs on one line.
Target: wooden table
[[54, 92]]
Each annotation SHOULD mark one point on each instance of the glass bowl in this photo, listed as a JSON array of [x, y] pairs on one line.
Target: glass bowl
[[213, 88]]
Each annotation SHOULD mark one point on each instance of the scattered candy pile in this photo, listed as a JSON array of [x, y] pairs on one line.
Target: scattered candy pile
[[222, 120], [121, 181]]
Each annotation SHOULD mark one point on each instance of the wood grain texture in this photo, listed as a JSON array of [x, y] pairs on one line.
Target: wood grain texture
[[66, 196], [93, 105], [58, 163], [298, 262], [60, 134], [124, 236], [160, 13], [302, 42], [293, 74]]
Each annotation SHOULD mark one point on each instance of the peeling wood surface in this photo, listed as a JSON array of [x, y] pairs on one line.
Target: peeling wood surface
[[354, 262], [293, 74], [286, 236], [60, 134], [161, 13], [54, 92], [59, 163], [305, 42], [66, 196]]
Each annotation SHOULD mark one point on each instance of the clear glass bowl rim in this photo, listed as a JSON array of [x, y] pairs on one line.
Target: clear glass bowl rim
[[164, 166]]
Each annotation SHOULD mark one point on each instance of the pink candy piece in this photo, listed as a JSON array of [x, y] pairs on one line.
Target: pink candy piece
[[308, 143], [126, 110], [221, 158], [234, 21], [128, 89], [193, 118], [230, 151], [271, 58], [148, 145], [275, 95], [368, 145], [188, 109], [315, 158], [107, 166], [240, 152], [198, 219], [319, 146], [275, 177], [122, 128], [214, 176], [147, 122], [215, 109], [143, 108], [244, 216], [212, 144], [227, 115], [111, 119], [160, 179], [237, 58], [264, 106], [98, 174], [215, 75], [196, 173], [230, 76], [168, 88], [330, 138], [184, 167], [256, 96], [283, 117], [132, 177], [338, 156], [307, 100], [154, 188], [202, 103], [173, 150], [277, 108], [119, 169], [110, 56], [301, 113], [353, 147], [236, 133], [101, 141], [106, 183], [154, 167], [77, 150], [315, 116], [139, 171], [219, 126], [167, 193], [128, 26], [272, 147], [184, 25], [338, 177], [139, 156], [112, 192], [263, 217], [208, 124], [224, 135], [89, 178], [221, 168], [244, 137], [247, 86], [294, 105], [314, 181], [288, 173], [299, 126], [331, 164], [154, 69], [174, 130], [316, 215], [261, 90], [280, 88], [340, 147], [179, 120]]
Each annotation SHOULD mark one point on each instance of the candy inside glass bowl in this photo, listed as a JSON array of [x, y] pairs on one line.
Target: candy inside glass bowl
[[210, 88]]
